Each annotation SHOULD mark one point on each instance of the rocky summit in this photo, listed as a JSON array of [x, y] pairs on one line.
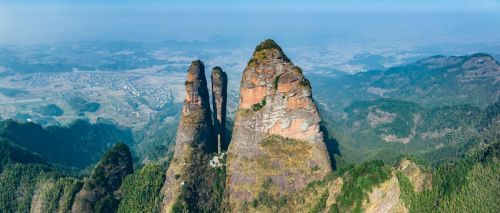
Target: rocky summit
[[276, 142], [187, 174]]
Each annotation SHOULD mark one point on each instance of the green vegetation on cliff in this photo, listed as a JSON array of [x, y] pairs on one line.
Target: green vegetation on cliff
[[36, 186], [267, 44], [98, 192], [358, 182], [267, 199], [258, 106], [468, 185], [203, 187], [140, 191]]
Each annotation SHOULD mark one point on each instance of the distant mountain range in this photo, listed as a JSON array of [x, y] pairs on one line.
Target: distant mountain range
[[424, 107], [434, 81]]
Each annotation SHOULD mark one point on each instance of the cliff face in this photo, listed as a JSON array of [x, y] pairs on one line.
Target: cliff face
[[97, 194], [276, 135], [219, 101], [187, 175]]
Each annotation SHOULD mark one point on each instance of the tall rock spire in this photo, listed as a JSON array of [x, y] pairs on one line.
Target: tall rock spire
[[276, 142], [219, 102], [185, 177]]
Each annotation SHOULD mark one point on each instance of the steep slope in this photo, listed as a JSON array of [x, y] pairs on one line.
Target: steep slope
[[276, 136], [467, 185], [219, 103], [36, 188], [97, 194], [367, 187], [187, 176]]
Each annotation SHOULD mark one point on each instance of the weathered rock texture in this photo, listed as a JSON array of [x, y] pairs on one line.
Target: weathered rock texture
[[334, 191], [97, 194], [419, 178], [385, 198], [276, 133], [187, 174], [219, 102]]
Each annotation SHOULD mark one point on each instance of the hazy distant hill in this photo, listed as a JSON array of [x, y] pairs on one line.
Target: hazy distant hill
[[433, 107], [434, 81]]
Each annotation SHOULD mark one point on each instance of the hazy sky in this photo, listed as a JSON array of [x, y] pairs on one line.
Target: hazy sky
[[356, 21]]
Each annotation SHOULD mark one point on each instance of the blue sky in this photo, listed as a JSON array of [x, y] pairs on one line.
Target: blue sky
[[357, 21]]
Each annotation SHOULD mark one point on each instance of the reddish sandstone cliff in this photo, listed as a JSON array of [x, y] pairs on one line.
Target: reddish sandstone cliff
[[276, 136], [188, 174]]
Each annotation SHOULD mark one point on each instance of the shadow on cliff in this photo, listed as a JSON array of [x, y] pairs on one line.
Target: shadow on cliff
[[228, 134], [332, 145]]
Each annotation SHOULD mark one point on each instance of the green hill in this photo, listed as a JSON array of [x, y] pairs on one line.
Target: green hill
[[77, 145]]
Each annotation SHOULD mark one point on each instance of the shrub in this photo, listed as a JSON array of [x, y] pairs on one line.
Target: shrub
[[266, 199], [305, 83], [268, 44], [258, 106], [276, 81]]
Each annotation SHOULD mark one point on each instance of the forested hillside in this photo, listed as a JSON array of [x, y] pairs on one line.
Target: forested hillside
[[77, 145], [387, 128]]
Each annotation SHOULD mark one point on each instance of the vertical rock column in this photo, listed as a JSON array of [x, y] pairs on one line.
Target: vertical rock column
[[186, 176], [219, 101]]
